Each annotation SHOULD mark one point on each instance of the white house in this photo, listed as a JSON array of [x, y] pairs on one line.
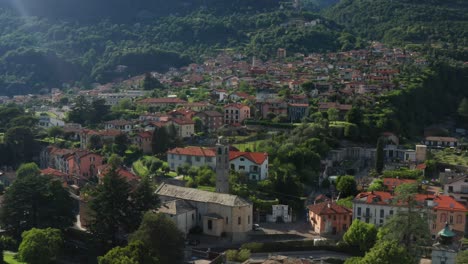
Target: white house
[[122, 125], [194, 156], [45, 121], [254, 164], [441, 142], [280, 212]]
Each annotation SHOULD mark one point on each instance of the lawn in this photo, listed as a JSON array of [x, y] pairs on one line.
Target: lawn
[[9, 258], [140, 169]]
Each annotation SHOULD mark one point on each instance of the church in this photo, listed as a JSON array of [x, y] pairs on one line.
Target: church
[[217, 213]]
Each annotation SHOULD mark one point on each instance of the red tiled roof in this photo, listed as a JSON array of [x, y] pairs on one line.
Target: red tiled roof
[[53, 172], [120, 171], [255, 157], [444, 202], [328, 208], [375, 197], [442, 139], [238, 106], [183, 121], [162, 101], [145, 134], [193, 151]]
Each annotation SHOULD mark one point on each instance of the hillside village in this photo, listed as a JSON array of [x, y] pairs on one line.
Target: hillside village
[[243, 149]]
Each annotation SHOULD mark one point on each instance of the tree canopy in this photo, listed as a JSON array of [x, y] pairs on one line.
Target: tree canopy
[[40, 246], [361, 235]]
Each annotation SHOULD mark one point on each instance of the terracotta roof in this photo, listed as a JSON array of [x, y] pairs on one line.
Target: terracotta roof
[[238, 106], [53, 172], [327, 208], [190, 194], [442, 139], [183, 121], [193, 151], [375, 197], [443, 202], [119, 122], [255, 157], [145, 134], [120, 171], [162, 101]]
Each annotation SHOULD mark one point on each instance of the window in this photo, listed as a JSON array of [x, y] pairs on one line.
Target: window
[[459, 219], [391, 212], [239, 220], [451, 219], [210, 224], [359, 211], [242, 159], [208, 159], [334, 217], [367, 212], [241, 167], [248, 220], [197, 158], [180, 157], [193, 217], [443, 218], [227, 220], [450, 189], [232, 167], [382, 213], [345, 227]]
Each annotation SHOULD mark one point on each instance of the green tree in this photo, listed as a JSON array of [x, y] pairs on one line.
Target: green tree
[[111, 208], [27, 169], [361, 236], [409, 226], [21, 141], [40, 246], [162, 238], [379, 156], [463, 108], [143, 199], [354, 115], [346, 185], [377, 185], [198, 124], [94, 143], [121, 143], [150, 82], [133, 253], [387, 252], [81, 112], [39, 201], [160, 141], [333, 114], [55, 132]]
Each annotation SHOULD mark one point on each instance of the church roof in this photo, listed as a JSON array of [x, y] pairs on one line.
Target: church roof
[[190, 194]]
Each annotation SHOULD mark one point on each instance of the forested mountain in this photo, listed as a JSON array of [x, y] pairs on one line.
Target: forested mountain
[[443, 24], [42, 44]]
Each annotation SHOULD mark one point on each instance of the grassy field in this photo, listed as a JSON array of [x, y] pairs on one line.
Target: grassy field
[[252, 146], [9, 258]]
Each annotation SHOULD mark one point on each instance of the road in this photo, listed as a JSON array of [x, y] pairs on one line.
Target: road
[[316, 254]]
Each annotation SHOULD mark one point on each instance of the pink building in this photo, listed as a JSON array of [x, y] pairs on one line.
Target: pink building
[[236, 113], [330, 218], [83, 165]]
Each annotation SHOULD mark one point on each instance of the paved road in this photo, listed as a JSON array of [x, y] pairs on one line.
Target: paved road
[[316, 254]]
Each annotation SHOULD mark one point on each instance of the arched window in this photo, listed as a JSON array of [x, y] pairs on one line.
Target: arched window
[[443, 218]]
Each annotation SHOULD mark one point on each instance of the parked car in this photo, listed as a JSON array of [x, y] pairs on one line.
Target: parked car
[[255, 227]]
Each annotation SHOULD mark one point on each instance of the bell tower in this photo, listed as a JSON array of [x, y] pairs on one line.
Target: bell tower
[[222, 166]]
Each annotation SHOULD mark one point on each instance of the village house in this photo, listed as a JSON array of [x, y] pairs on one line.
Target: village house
[[217, 214], [122, 125], [114, 98], [130, 177], [329, 218], [342, 108], [185, 128], [161, 102], [211, 120], [458, 189], [273, 106], [45, 121], [253, 164], [441, 142], [143, 141], [82, 166], [296, 112], [106, 136], [376, 207], [236, 113]]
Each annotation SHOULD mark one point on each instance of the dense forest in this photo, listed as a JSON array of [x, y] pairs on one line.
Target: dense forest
[[440, 24]]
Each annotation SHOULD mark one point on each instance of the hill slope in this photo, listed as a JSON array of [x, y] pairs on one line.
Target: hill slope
[[443, 23]]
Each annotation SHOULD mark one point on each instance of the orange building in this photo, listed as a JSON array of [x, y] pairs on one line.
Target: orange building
[[447, 210], [330, 218]]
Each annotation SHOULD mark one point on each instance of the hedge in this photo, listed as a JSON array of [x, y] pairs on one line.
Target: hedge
[[302, 245]]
